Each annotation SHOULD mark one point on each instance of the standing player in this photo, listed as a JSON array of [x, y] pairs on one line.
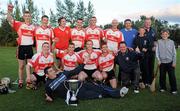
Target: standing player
[[113, 36], [62, 36], [90, 68], [43, 34], [106, 65], [38, 62], [94, 33], [25, 40], [129, 33], [78, 35]]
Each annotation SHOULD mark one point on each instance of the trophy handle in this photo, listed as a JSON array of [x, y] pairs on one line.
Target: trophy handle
[[79, 88], [65, 85]]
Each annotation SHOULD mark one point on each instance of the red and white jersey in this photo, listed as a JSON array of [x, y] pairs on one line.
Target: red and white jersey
[[94, 34], [43, 35], [106, 63], [25, 33], [70, 62], [78, 37], [93, 58], [39, 62], [113, 39]]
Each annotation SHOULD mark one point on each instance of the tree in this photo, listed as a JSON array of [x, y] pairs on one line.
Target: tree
[[72, 11], [17, 12], [81, 10], [67, 10], [89, 13], [52, 19]]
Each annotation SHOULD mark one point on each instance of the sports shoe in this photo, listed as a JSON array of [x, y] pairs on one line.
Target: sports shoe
[[162, 90], [136, 91], [174, 92], [31, 86], [20, 83], [123, 91]]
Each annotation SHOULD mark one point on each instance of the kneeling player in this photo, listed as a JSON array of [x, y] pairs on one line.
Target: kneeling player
[[106, 65], [90, 68], [39, 61]]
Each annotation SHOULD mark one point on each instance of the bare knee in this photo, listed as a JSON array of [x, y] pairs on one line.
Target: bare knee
[[82, 76]]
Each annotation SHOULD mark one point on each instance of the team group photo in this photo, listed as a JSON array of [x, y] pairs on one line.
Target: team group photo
[[61, 61]]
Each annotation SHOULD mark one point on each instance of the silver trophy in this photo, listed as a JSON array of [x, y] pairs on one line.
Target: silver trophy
[[73, 87]]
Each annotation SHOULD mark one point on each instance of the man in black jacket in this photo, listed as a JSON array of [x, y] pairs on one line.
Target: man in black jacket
[[89, 90], [128, 65]]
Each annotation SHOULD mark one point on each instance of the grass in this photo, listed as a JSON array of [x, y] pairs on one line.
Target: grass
[[29, 100]]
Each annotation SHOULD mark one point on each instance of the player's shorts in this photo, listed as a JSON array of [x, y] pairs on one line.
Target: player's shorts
[[89, 72], [24, 52], [78, 49], [39, 78], [111, 74]]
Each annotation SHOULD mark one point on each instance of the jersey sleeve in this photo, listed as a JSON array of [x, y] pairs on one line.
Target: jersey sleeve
[[34, 61]]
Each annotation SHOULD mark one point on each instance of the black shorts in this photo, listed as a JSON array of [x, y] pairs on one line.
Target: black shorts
[[39, 78], [111, 74], [78, 49], [89, 72], [24, 52]]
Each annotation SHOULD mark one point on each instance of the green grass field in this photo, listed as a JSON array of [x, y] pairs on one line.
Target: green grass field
[[29, 100]]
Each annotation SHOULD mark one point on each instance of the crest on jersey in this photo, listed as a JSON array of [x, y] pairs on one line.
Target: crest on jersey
[[127, 58]]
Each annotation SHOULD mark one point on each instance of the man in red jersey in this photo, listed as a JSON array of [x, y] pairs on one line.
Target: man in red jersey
[[62, 36], [25, 40], [78, 35], [43, 34], [94, 33]]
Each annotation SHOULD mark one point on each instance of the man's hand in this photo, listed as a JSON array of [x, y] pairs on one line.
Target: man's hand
[[144, 50], [48, 99], [174, 65], [137, 49]]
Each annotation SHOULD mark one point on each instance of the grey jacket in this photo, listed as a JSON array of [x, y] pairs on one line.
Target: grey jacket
[[165, 51]]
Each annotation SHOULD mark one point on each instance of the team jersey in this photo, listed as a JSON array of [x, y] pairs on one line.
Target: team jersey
[[93, 58], [113, 39], [78, 37], [106, 63], [25, 33], [43, 35], [63, 36], [39, 62], [70, 62], [94, 34]]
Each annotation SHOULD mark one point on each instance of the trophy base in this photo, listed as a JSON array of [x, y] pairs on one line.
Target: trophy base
[[73, 103]]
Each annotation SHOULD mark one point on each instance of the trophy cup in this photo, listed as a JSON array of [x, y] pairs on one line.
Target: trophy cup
[[73, 87]]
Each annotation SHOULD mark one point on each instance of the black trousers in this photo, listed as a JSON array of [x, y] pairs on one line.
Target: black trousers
[[132, 76], [144, 69], [90, 90], [150, 65], [167, 67]]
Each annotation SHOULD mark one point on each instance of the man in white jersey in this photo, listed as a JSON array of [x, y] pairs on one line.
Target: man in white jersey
[[78, 35], [106, 65], [38, 62], [113, 36], [94, 33], [90, 68], [43, 34], [25, 40], [70, 59]]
